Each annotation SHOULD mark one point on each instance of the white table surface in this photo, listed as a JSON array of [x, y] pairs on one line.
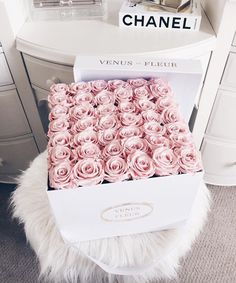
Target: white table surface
[[61, 41]]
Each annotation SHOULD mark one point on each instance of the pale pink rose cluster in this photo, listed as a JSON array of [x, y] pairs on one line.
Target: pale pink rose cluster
[[116, 130]]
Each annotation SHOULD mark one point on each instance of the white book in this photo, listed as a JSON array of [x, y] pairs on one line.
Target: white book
[[142, 16]]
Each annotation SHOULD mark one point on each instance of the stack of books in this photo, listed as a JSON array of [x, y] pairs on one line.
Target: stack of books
[[161, 14]]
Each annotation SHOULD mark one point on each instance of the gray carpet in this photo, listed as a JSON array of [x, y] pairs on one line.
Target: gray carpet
[[212, 259]]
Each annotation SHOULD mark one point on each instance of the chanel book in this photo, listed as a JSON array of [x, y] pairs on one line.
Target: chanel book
[[141, 15]]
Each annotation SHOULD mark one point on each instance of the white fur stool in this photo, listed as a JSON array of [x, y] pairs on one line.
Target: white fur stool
[[142, 258]]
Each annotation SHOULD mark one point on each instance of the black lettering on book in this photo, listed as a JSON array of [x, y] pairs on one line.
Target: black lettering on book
[[126, 19], [185, 24], [164, 22], [176, 22], [151, 21], [137, 20]]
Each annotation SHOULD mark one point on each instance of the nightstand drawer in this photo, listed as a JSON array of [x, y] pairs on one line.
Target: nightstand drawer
[[43, 73], [228, 79], [5, 75], [13, 121], [15, 156], [222, 121], [219, 160]]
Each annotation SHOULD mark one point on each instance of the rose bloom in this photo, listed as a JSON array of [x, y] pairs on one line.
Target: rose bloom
[[98, 86], [153, 128], [189, 159], [164, 103], [62, 88], [114, 84], [103, 110], [60, 176], [142, 92], [116, 169], [133, 144], [59, 153], [141, 165], [130, 131], [160, 90], [104, 97], [151, 115], [123, 93], [58, 111], [179, 139], [135, 83], [88, 150], [56, 98], [60, 138], [127, 106], [155, 141], [107, 122], [177, 128], [80, 87], [85, 136], [145, 104], [171, 115], [158, 81], [88, 172], [130, 119], [83, 124], [106, 136], [58, 125], [80, 111], [82, 97], [165, 161], [114, 148]]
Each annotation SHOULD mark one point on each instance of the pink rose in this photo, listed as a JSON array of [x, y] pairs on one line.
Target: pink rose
[[60, 138], [144, 105], [160, 90], [80, 87], [130, 119], [127, 106], [104, 97], [141, 165], [83, 124], [171, 115], [114, 148], [88, 150], [58, 98], [179, 139], [165, 161], [135, 83], [103, 110], [60, 176], [142, 93], [58, 125], [151, 115], [59, 154], [155, 141], [58, 111], [116, 169], [98, 86], [134, 144], [189, 159], [164, 103], [107, 122], [106, 136], [80, 111], [85, 136], [88, 172], [123, 94], [158, 81], [82, 97], [130, 131], [114, 84], [62, 88], [154, 128], [177, 128]]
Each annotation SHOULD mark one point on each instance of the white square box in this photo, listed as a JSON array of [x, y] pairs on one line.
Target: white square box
[[139, 206]]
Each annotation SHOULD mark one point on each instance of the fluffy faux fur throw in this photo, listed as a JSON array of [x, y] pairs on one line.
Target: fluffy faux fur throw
[[60, 262]]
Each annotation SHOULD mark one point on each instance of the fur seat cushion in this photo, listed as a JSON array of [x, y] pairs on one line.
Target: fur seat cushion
[[61, 262]]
